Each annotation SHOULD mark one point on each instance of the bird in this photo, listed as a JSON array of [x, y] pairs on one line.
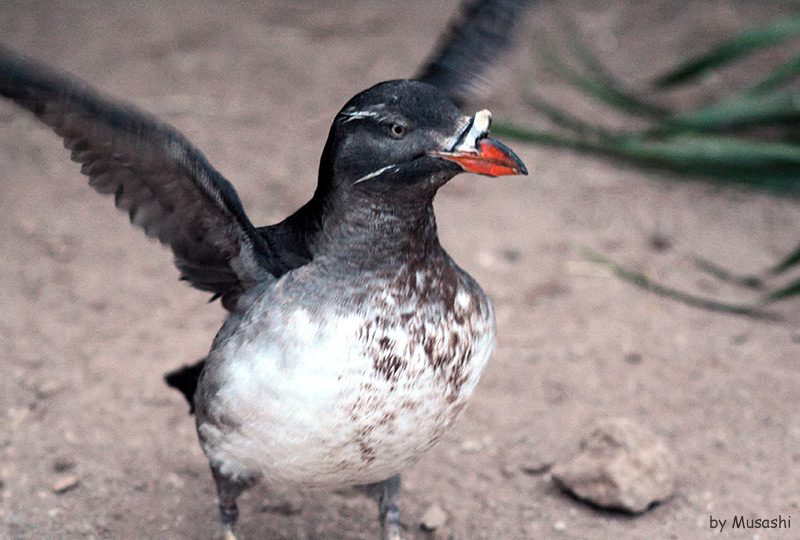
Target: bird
[[353, 340]]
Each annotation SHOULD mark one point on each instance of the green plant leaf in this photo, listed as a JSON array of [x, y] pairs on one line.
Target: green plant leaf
[[642, 281], [789, 291], [747, 281], [605, 91], [567, 120], [782, 74], [741, 45], [748, 111], [768, 165], [790, 261]]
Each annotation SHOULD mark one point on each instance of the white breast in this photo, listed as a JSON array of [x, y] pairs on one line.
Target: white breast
[[350, 397]]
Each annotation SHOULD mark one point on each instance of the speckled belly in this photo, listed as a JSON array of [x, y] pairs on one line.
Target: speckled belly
[[356, 405]]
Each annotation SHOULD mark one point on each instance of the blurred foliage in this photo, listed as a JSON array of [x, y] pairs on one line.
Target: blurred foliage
[[749, 136]]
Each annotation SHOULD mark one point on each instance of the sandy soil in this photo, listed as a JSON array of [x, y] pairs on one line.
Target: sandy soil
[[92, 315]]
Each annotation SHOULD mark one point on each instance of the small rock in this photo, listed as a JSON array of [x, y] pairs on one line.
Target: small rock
[[528, 455], [620, 465], [536, 467], [559, 526], [433, 518], [471, 446], [47, 389], [65, 483], [63, 464]]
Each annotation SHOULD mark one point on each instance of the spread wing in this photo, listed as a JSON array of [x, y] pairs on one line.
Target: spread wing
[[476, 38], [162, 181], [171, 191]]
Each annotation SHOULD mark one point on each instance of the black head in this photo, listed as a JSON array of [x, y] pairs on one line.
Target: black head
[[405, 139], [389, 149]]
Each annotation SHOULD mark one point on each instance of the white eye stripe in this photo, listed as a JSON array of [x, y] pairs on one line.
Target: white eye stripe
[[349, 116], [379, 113], [373, 174]]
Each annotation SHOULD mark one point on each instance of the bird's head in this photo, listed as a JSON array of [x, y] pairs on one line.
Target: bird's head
[[405, 139]]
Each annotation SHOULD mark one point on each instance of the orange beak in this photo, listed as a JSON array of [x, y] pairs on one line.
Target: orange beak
[[476, 153], [491, 158]]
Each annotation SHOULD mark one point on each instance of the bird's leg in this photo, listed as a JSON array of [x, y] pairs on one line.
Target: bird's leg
[[387, 493], [229, 488]]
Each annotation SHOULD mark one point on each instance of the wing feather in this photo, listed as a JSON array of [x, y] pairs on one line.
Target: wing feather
[[476, 38], [165, 184]]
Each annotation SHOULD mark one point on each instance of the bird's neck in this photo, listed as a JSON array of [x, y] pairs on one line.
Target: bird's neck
[[376, 235]]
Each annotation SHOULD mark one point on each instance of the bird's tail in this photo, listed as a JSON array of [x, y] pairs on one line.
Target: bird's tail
[[185, 380]]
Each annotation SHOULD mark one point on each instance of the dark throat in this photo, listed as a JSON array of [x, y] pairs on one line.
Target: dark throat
[[363, 231]]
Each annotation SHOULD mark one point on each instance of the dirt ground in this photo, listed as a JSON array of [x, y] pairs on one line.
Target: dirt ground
[[92, 315]]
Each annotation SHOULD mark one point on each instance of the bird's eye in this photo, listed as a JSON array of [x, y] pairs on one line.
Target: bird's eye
[[398, 130]]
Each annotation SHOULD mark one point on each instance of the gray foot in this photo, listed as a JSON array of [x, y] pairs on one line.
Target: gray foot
[[229, 490], [387, 493]]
